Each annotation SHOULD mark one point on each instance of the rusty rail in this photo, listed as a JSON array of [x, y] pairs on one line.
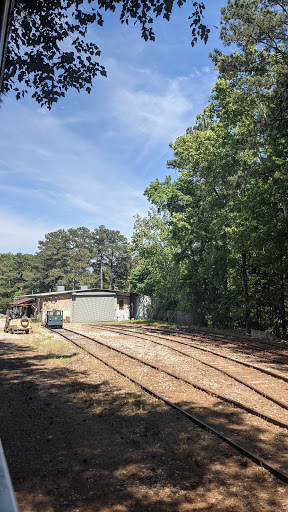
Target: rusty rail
[[252, 456]]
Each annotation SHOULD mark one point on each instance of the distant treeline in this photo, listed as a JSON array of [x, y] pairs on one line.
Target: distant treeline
[[100, 258]]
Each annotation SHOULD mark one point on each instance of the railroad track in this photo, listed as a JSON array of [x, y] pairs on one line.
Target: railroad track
[[198, 347], [222, 341], [164, 388], [209, 335], [235, 368]]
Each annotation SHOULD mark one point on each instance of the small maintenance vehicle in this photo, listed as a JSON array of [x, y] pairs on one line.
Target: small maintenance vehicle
[[15, 323], [54, 319]]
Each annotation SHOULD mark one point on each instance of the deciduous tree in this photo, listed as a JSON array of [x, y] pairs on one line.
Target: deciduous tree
[[49, 51]]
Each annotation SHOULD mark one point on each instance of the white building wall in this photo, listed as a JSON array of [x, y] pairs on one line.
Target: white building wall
[[122, 314], [142, 307]]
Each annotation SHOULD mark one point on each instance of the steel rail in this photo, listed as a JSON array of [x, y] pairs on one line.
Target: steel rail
[[218, 335], [263, 350], [256, 390], [230, 401], [229, 358], [221, 337], [209, 335], [252, 456]]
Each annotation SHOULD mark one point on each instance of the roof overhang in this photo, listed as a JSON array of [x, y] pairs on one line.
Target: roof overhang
[[19, 302], [94, 294], [75, 292]]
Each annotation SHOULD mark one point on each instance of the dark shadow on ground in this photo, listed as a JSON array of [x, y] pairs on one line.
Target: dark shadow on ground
[[51, 355], [77, 446]]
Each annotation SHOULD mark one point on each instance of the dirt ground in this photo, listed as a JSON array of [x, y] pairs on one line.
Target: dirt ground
[[80, 438]]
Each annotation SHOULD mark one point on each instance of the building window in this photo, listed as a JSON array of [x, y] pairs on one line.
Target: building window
[[121, 304]]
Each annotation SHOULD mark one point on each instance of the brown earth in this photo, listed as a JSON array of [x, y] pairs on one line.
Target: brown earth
[[80, 438]]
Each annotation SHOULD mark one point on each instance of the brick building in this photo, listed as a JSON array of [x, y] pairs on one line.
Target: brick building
[[86, 305]]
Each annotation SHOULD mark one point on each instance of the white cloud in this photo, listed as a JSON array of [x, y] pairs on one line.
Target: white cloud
[[78, 202], [89, 160], [152, 115], [155, 107]]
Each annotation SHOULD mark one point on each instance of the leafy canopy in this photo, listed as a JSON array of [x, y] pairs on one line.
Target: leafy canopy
[[48, 51], [227, 212]]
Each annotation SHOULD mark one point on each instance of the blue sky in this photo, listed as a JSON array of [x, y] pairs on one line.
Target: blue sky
[[88, 161]]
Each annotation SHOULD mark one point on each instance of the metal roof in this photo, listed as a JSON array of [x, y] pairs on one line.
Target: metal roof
[[94, 294], [63, 292], [23, 301]]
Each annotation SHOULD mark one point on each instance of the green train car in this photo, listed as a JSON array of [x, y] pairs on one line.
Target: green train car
[[54, 319]]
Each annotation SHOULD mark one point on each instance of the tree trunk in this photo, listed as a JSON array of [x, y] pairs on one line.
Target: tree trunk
[[284, 206], [246, 293], [101, 272], [282, 300]]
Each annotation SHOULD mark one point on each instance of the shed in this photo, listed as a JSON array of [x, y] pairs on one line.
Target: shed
[[88, 305]]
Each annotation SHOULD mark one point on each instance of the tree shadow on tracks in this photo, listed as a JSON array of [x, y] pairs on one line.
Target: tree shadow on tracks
[[102, 446]]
